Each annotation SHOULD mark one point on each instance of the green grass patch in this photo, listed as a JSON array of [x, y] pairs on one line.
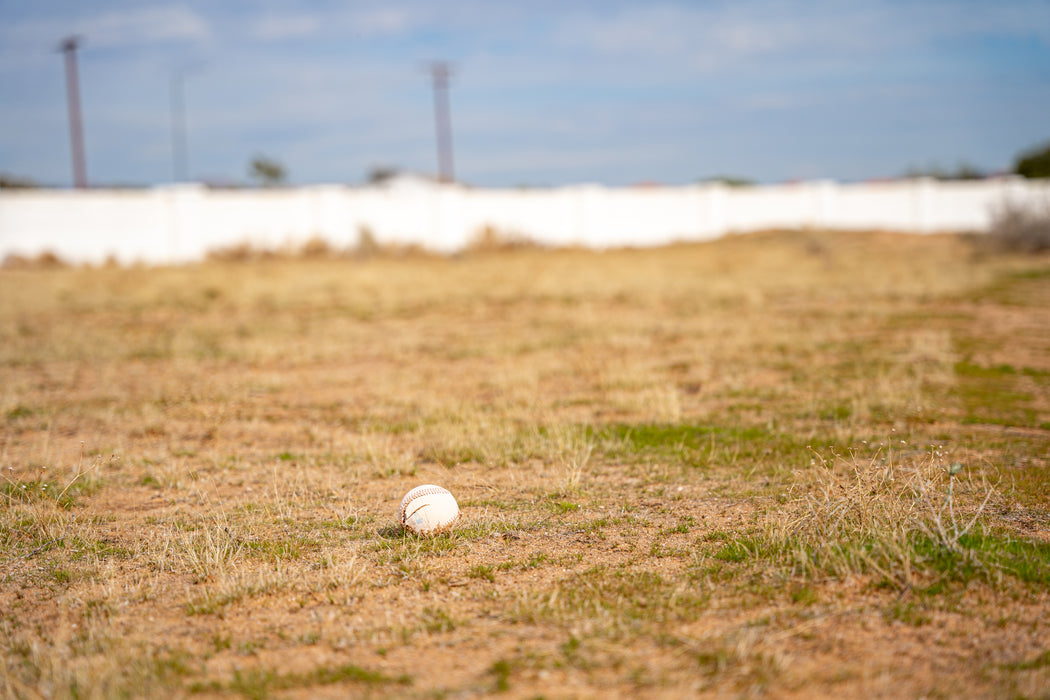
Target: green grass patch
[[699, 446], [909, 613], [536, 560], [739, 549], [732, 552], [714, 661], [98, 547], [437, 621], [1025, 287], [19, 412], [275, 550], [1040, 661], [681, 528], [395, 544], [835, 413], [1030, 485], [563, 507], [215, 600], [995, 394], [500, 671], [982, 555], [804, 595], [483, 571], [974, 557], [42, 490]]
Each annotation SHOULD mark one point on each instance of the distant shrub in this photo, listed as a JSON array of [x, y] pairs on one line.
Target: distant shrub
[[1023, 229], [1034, 163], [267, 171], [238, 252], [367, 245], [491, 240], [963, 171], [45, 260], [316, 247], [14, 182], [728, 181], [381, 174]]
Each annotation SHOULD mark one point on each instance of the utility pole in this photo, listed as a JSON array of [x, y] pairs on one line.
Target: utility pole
[[440, 72], [179, 147], [76, 128]]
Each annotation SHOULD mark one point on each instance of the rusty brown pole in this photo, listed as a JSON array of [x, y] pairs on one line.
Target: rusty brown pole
[[76, 128]]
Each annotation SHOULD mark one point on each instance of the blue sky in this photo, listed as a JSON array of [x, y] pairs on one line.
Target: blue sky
[[545, 92]]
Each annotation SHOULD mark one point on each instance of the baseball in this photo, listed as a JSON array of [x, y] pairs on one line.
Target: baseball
[[428, 510]]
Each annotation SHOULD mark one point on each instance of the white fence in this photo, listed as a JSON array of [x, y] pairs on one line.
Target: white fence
[[182, 223]]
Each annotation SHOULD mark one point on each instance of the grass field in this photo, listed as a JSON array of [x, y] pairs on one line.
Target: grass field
[[796, 464]]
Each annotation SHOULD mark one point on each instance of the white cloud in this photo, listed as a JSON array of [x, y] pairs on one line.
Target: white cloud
[[706, 37], [279, 27], [378, 22], [384, 21], [715, 36], [659, 29], [145, 26], [367, 22]]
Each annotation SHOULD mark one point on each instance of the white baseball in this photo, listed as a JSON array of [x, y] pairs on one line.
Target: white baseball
[[428, 510]]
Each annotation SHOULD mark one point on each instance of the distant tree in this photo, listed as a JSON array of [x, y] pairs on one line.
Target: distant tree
[[266, 171], [963, 171], [729, 180], [15, 182], [381, 173], [1034, 163]]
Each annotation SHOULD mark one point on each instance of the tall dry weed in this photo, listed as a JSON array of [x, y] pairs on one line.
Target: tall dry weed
[[888, 514]]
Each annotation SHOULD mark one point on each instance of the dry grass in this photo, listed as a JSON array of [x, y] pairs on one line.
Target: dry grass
[[883, 513], [794, 464]]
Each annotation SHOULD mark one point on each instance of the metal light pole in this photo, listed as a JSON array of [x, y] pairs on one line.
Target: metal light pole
[[69, 47], [440, 73]]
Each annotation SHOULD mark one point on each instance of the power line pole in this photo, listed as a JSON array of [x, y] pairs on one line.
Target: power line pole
[[69, 47], [440, 72]]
